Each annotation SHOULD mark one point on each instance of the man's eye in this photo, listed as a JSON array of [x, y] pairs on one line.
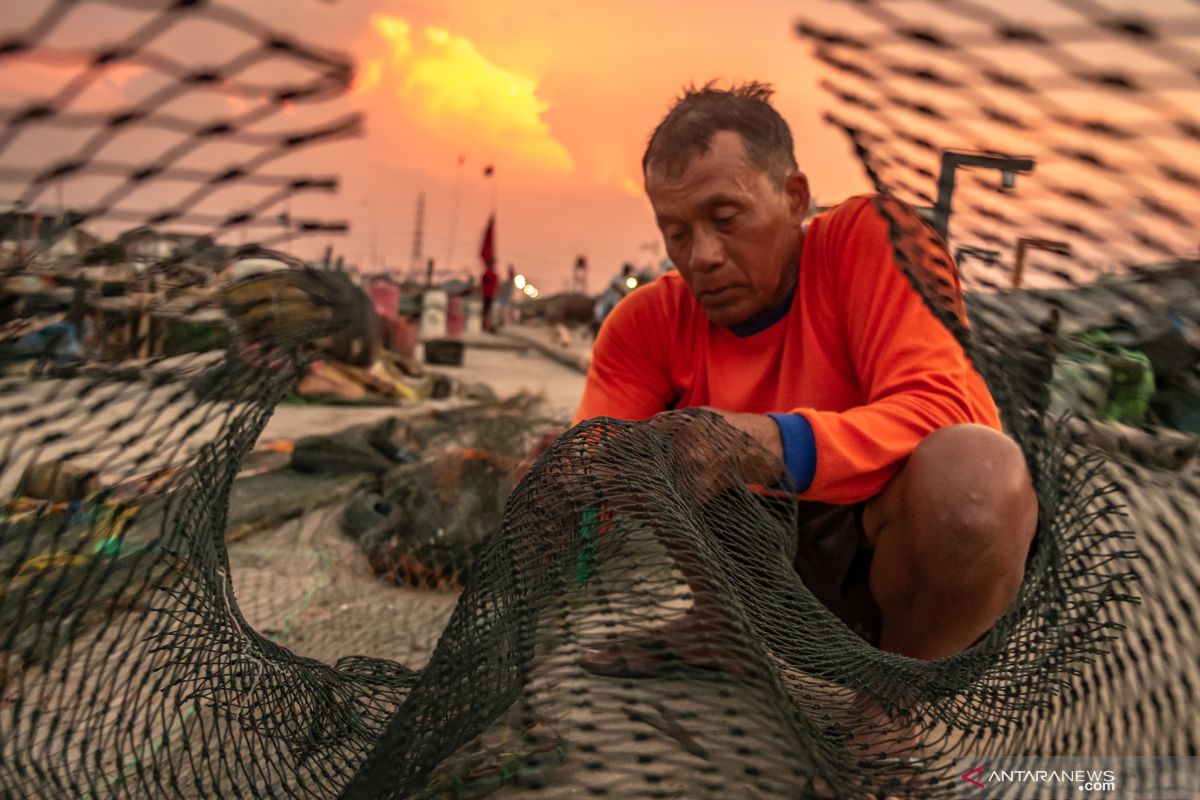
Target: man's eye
[[726, 219]]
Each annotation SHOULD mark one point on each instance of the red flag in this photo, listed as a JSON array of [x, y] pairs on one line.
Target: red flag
[[488, 250]]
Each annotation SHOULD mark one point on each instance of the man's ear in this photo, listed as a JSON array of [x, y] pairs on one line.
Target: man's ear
[[799, 198]]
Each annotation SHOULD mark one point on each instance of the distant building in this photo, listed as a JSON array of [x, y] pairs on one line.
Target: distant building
[[51, 231]]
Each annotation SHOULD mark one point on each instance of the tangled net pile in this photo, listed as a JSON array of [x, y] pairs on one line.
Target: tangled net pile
[[129, 669]]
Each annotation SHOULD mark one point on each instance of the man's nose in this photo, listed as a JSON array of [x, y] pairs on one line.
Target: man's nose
[[707, 251]]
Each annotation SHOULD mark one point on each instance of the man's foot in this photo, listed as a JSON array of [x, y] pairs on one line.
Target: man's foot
[[694, 642]]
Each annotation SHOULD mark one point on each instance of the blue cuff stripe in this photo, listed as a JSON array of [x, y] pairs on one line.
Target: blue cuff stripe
[[799, 448]]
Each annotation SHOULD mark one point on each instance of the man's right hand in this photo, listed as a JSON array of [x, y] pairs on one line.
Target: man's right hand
[[539, 447], [702, 448], [715, 450]]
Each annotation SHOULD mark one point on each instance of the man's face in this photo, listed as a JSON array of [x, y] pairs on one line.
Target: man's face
[[731, 232]]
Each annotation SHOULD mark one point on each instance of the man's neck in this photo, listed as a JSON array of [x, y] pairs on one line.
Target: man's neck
[[768, 317]]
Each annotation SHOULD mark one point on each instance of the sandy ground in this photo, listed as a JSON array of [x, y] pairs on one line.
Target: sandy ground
[[510, 371]]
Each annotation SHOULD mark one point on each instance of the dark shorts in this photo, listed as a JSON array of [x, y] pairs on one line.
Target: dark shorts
[[833, 558]]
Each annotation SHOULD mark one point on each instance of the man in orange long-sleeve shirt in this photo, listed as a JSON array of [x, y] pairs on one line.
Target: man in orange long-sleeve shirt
[[917, 513]]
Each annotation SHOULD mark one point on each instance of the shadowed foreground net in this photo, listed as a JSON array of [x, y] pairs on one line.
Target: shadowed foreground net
[[127, 667], [130, 669]]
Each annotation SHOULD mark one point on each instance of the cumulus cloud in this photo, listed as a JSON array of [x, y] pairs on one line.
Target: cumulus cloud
[[447, 84]]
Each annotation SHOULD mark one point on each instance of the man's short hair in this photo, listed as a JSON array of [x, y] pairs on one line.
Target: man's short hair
[[745, 109]]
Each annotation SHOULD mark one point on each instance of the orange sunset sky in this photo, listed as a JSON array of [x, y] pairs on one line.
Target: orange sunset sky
[[559, 97]]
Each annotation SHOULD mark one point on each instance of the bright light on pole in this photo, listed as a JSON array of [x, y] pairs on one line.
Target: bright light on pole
[[631, 282], [519, 282]]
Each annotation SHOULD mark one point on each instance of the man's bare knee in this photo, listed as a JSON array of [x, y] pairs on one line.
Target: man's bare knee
[[971, 505]]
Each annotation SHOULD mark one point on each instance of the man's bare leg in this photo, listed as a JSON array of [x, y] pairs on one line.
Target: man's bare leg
[[951, 534]]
